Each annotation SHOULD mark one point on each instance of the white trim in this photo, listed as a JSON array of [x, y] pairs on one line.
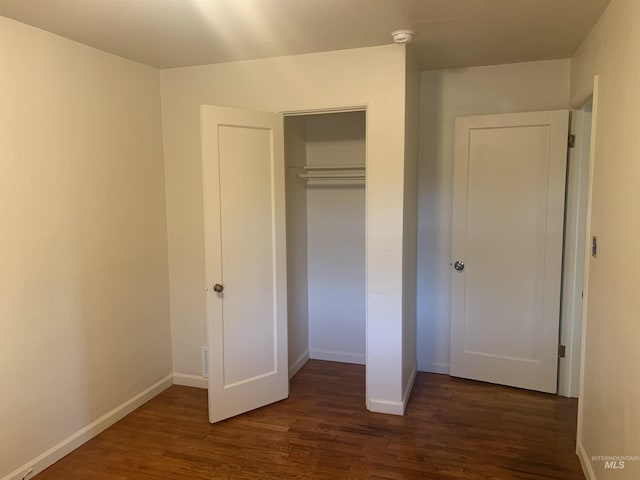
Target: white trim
[[585, 463], [85, 434], [190, 380], [342, 357], [441, 368], [407, 391], [587, 264], [385, 406], [298, 364]]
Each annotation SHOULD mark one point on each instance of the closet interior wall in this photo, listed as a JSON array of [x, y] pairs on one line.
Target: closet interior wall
[[325, 239]]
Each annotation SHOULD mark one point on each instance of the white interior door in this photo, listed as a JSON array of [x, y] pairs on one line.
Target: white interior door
[[245, 254], [508, 213]]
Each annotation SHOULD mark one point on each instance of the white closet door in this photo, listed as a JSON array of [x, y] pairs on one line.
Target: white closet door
[[508, 212], [245, 251]]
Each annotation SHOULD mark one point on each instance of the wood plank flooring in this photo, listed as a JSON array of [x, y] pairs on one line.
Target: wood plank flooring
[[453, 429]]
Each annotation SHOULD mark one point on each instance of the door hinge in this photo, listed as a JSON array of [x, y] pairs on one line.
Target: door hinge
[[562, 351], [572, 141]]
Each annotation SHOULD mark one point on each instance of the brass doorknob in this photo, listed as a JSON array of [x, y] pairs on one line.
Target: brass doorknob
[[218, 288]]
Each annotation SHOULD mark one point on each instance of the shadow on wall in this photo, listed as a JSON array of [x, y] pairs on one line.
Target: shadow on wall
[[434, 246]]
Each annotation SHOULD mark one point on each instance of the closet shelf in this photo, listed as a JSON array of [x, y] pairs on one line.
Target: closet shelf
[[333, 175], [333, 167]]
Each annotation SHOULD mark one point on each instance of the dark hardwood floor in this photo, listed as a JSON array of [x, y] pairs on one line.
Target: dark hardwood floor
[[453, 429]]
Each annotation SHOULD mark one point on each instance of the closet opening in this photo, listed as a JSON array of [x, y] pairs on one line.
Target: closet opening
[[325, 158]]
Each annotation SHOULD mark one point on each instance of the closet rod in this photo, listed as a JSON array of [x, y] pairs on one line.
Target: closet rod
[[334, 167]]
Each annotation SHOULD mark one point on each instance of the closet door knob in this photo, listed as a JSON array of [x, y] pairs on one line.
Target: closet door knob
[[218, 288], [459, 266]]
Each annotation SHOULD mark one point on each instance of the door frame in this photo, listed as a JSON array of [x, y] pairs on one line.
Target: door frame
[[580, 451], [346, 109]]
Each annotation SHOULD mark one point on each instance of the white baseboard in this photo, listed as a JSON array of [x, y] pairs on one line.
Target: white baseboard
[[407, 390], [298, 364], [343, 357], [390, 407], [442, 368], [385, 406], [586, 464], [85, 434], [190, 380]]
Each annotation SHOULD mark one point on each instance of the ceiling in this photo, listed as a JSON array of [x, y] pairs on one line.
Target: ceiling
[[449, 33]]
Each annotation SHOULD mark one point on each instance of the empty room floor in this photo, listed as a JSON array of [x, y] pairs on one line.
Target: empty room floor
[[453, 429]]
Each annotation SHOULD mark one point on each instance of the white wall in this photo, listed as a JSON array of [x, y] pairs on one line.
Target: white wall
[[371, 77], [83, 256], [446, 94], [336, 241], [609, 417]]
